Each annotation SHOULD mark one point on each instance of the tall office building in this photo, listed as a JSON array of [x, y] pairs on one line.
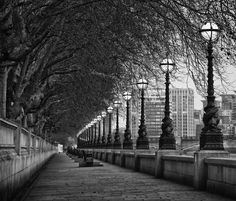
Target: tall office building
[[234, 115], [227, 113], [154, 113], [234, 111], [182, 111], [198, 123]]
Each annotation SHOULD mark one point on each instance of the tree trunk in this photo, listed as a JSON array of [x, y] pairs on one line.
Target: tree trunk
[[3, 91]]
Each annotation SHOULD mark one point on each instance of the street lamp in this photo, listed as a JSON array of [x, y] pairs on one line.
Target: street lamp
[[89, 135], [211, 137], [109, 138], [167, 138], [142, 141], [117, 143], [78, 142], [103, 129], [127, 143], [95, 132], [99, 117]]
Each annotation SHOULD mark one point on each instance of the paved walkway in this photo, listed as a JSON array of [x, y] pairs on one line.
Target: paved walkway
[[62, 180]]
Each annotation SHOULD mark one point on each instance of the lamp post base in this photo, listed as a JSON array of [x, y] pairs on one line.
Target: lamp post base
[[127, 144], [167, 142], [103, 145], [117, 145], [142, 143], [109, 145], [98, 145], [211, 140]]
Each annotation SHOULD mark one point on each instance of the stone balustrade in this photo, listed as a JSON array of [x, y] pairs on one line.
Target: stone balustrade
[[219, 173], [22, 154]]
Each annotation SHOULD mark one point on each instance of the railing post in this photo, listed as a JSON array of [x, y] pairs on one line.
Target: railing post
[[159, 162], [40, 144], [28, 142], [34, 142], [18, 140], [200, 169]]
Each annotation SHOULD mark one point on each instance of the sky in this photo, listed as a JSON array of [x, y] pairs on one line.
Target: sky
[[187, 82]]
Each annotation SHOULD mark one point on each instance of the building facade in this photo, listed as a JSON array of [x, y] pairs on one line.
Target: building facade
[[228, 114], [154, 112], [234, 113], [198, 122], [182, 101]]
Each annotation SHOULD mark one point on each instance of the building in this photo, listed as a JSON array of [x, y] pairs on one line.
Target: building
[[182, 101], [234, 112], [228, 113], [154, 113], [182, 113], [198, 123]]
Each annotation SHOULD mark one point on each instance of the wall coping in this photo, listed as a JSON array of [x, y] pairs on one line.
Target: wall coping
[[7, 124], [182, 158], [144, 155], [229, 162], [128, 154], [7, 146], [24, 131], [116, 152]]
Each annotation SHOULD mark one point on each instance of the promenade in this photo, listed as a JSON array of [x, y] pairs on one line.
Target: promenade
[[63, 180]]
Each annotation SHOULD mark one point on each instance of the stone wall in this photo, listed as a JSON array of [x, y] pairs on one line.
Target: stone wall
[[22, 154], [179, 168], [210, 170], [221, 175], [146, 163]]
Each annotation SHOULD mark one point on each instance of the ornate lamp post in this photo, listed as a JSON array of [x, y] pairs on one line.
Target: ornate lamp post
[[109, 138], [103, 129], [127, 143], [89, 134], [99, 117], [95, 133], [142, 141], [167, 138], [211, 137], [78, 139], [117, 143], [78, 142], [82, 140]]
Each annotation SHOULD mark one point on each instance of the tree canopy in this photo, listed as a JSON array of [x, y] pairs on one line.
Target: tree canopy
[[63, 61]]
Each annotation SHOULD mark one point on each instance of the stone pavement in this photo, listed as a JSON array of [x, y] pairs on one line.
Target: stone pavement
[[63, 180]]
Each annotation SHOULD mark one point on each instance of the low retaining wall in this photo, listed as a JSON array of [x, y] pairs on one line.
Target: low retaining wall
[[22, 154], [117, 158], [128, 160], [219, 173], [221, 176], [179, 168], [146, 163]]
